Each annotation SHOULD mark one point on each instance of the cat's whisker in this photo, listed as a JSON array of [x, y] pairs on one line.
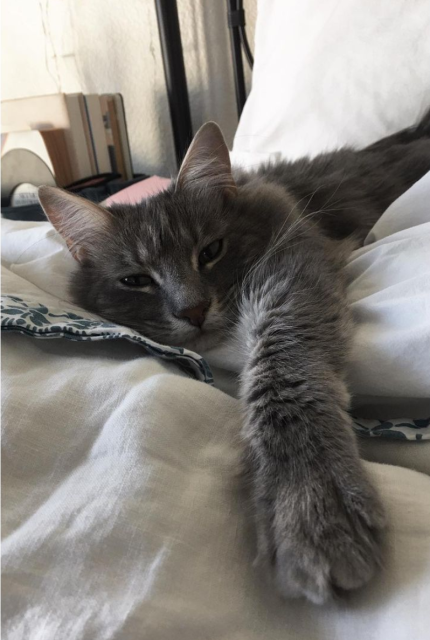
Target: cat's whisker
[[277, 237], [273, 249]]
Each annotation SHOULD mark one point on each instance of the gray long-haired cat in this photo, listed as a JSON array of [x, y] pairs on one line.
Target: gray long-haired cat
[[259, 257]]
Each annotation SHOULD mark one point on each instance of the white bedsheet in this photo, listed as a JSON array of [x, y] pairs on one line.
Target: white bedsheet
[[389, 292], [124, 515]]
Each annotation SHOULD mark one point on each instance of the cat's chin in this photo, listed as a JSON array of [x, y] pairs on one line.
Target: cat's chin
[[187, 337], [202, 342], [198, 340]]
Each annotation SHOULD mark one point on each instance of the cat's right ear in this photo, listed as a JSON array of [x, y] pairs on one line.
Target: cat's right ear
[[79, 221]]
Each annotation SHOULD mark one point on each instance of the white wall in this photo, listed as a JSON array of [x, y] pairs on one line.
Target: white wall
[[107, 46]]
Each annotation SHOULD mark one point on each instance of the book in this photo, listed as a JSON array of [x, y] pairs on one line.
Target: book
[[104, 105], [87, 132], [97, 131], [56, 145], [116, 134], [76, 137], [90, 132], [125, 143]]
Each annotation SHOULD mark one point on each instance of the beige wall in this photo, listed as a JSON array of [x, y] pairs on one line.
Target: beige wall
[[107, 46]]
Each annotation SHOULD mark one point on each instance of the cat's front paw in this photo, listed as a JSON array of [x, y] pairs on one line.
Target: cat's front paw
[[321, 536]]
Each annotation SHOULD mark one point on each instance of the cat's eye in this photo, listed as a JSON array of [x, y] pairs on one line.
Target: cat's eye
[[137, 281], [211, 252]]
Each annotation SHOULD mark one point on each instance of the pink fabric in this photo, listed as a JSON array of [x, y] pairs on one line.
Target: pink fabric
[[138, 191]]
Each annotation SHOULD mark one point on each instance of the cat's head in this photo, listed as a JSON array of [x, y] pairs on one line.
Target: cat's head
[[172, 266]]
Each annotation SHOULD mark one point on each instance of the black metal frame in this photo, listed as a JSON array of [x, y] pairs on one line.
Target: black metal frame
[[238, 40], [174, 68], [174, 71]]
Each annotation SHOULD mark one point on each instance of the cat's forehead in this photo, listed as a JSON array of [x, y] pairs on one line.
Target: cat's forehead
[[165, 224], [171, 220], [166, 228]]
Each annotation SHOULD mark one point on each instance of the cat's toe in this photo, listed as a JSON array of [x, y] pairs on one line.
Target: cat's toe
[[296, 580], [342, 557], [348, 574], [358, 561], [319, 575]]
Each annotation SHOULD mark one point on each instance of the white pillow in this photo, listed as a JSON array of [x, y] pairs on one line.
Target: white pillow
[[332, 73]]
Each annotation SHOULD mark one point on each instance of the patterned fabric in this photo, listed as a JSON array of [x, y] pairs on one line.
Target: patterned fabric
[[38, 321], [396, 429]]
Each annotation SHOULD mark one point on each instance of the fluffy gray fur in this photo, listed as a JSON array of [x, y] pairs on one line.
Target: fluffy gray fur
[[278, 287]]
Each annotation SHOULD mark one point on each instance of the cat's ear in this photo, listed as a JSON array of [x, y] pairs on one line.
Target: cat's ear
[[207, 163], [79, 221]]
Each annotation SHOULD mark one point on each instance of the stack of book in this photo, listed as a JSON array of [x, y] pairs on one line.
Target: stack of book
[[77, 136]]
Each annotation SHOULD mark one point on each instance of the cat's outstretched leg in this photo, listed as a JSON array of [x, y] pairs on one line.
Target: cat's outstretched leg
[[318, 516]]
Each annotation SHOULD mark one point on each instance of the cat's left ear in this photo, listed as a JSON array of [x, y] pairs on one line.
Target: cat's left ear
[[79, 221], [207, 163]]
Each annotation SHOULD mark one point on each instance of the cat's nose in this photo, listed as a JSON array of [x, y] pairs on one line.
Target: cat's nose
[[195, 315]]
